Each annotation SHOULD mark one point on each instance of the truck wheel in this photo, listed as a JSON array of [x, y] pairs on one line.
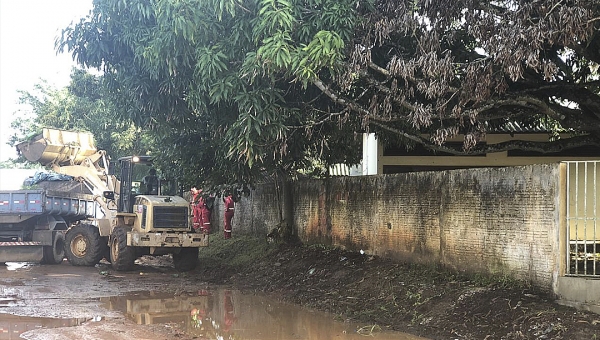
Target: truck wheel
[[84, 246], [122, 256], [56, 253], [106, 254], [186, 259]]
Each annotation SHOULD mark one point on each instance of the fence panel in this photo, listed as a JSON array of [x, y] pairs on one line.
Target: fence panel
[[583, 258]]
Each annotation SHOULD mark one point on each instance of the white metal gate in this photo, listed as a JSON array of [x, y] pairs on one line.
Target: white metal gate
[[583, 232]]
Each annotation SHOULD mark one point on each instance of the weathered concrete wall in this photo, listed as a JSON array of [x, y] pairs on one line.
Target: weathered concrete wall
[[256, 214], [490, 220]]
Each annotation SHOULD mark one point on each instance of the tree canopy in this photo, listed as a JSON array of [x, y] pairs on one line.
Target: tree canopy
[[231, 89], [470, 67]]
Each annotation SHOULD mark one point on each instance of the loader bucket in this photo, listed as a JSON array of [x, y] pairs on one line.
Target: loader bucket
[[59, 147]]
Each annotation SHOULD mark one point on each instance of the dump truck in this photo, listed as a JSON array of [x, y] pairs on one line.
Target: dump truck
[[33, 223], [124, 218]]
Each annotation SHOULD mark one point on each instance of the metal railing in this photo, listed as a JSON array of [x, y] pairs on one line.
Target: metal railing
[[582, 208]]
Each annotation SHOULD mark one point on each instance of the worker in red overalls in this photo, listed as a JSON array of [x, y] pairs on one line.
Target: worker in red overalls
[[205, 209], [229, 210], [196, 205]]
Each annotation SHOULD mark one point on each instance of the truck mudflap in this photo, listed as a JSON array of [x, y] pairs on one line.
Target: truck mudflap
[[21, 252], [172, 240], [7, 244]]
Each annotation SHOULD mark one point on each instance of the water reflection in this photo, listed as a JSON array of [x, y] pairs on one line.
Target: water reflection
[[229, 314], [12, 326]]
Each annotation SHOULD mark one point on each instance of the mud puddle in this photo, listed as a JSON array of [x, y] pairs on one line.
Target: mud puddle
[[60, 302], [230, 314]]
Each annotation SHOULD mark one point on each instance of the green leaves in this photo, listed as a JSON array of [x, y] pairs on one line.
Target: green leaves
[[274, 16], [325, 50], [211, 62], [276, 52], [223, 89], [220, 75]]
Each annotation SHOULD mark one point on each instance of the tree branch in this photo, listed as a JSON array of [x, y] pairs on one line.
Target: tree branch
[[337, 99], [542, 147]]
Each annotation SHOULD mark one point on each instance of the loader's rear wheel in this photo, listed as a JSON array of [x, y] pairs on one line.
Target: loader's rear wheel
[[186, 259], [122, 256], [84, 246], [56, 253]]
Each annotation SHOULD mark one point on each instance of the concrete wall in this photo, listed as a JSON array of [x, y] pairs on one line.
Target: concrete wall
[[501, 221], [256, 214]]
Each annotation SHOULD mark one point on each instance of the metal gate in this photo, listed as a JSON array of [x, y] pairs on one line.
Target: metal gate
[[582, 209]]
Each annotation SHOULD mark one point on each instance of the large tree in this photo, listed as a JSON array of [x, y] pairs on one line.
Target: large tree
[[231, 88], [214, 82]]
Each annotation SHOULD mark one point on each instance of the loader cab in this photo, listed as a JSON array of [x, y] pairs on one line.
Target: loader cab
[[138, 177]]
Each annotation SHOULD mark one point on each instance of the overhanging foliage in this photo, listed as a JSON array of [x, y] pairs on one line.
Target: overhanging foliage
[[232, 90]]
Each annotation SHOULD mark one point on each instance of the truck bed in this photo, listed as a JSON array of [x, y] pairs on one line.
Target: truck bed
[[19, 205]]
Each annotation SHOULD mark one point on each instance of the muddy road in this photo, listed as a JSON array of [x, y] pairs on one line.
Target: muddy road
[[47, 302], [34, 296]]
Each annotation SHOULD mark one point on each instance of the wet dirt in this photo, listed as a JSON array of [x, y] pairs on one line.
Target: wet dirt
[[64, 302], [357, 289], [43, 298]]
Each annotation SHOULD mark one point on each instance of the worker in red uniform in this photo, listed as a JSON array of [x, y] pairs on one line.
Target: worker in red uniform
[[196, 205], [229, 210], [205, 214]]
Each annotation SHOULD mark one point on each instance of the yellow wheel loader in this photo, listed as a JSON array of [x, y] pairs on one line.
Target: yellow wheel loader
[[136, 213]]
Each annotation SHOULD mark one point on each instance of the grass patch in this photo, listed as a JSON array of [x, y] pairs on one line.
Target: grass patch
[[235, 252], [500, 281]]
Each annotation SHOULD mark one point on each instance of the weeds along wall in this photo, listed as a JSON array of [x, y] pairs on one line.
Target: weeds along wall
[[500, 221]]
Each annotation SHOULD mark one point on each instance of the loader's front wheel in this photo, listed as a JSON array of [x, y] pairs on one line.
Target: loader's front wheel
[[186, 259], [84, 246], [122, 256]]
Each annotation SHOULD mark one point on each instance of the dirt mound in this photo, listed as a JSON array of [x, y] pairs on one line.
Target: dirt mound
[[72, 186]]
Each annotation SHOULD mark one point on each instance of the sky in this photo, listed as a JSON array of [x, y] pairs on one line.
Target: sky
[[28, 29]]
